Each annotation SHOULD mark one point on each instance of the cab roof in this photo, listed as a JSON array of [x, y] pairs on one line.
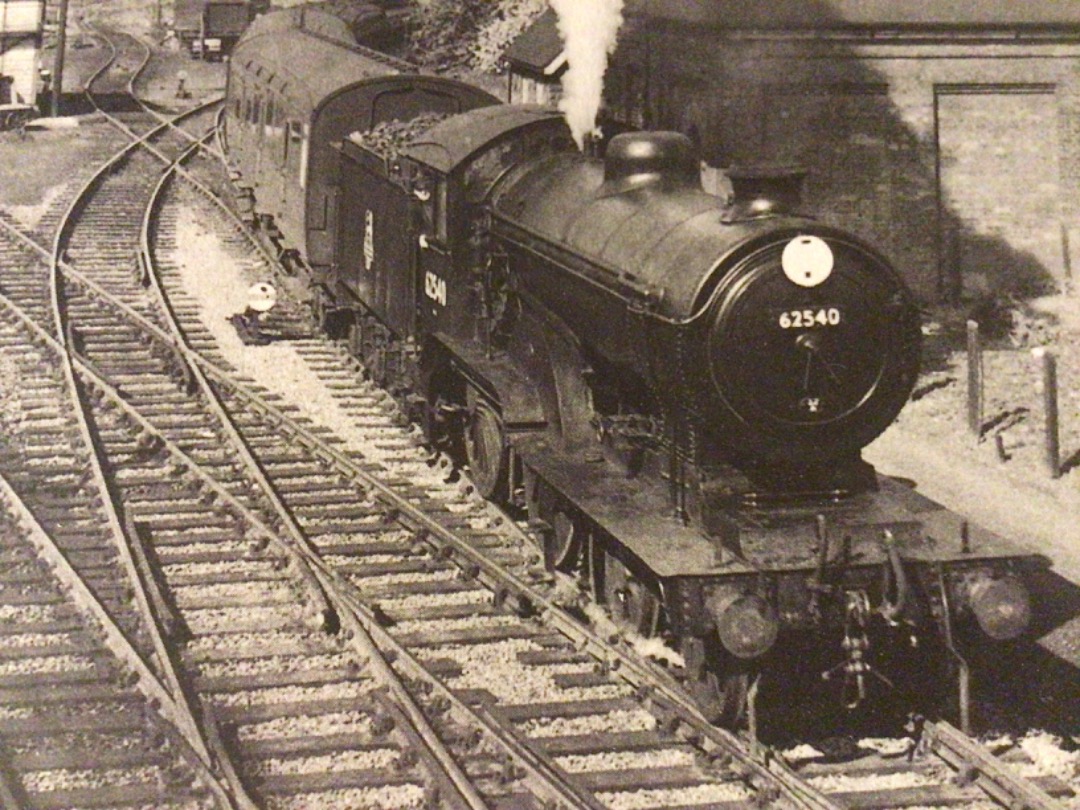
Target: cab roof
[[450, 143]]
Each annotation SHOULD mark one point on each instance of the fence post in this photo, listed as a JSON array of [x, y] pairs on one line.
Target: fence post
[[975, 380], [1048, 366]]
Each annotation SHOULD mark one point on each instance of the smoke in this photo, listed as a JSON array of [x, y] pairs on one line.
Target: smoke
[[588, 29]]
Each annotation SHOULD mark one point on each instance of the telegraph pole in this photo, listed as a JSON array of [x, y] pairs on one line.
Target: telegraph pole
[[58, 60]]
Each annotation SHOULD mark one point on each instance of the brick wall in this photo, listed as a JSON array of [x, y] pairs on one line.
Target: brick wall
[[959, 158]]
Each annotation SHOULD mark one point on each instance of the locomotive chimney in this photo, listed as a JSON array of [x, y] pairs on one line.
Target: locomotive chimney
[[636, 160], [765, 191]]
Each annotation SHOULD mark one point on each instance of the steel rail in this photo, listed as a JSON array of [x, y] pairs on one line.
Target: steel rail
[[453, 775], [367, 634], [366, 631], [165, 123], [200, 142], [103, 33], [109, 505], [113, 638], [553, 785], [180, 710], [170, 693], [499, 579], [975, 766]]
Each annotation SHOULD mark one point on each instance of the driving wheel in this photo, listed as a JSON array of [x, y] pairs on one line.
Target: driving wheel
[[565, 542], [630, 603], [485, 449]]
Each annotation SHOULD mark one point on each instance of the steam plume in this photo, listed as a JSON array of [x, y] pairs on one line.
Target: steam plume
[[588, 29]]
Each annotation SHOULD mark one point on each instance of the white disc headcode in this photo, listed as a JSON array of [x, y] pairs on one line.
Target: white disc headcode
[[807, 261]]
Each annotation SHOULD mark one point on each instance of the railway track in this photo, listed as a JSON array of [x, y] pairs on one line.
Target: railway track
[[81, 724], [322, 602]]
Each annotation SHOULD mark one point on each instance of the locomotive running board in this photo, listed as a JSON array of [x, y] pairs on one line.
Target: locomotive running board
[[638, 513]]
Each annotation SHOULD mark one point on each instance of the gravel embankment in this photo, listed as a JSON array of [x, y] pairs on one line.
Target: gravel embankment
[[1000, 479]]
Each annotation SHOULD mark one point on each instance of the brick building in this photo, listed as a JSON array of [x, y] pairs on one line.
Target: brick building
[[947, 132]]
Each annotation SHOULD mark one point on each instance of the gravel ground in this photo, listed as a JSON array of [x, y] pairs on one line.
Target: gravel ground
[[638, 800], [52, 663], [634, 720], [626, 760], [406, 797], [323, 724], [516, 682], [59, 779], [380, 758], [281, 367]]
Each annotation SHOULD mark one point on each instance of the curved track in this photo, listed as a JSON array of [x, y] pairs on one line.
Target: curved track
[[329, 625]]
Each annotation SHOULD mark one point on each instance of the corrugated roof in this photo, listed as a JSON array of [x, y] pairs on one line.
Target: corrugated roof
[[826, 14], [537, 48]]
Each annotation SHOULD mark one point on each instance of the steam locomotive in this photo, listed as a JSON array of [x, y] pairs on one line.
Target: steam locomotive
[[673, 386]]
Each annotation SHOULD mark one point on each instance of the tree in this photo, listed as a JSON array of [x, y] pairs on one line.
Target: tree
[[449, 34]]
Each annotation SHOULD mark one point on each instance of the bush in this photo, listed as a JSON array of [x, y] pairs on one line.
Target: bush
[[442, 31], [492, 40]]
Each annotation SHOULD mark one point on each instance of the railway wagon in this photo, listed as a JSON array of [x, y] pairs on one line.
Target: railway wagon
[[674, 388], [297, 86], [209, 29]]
